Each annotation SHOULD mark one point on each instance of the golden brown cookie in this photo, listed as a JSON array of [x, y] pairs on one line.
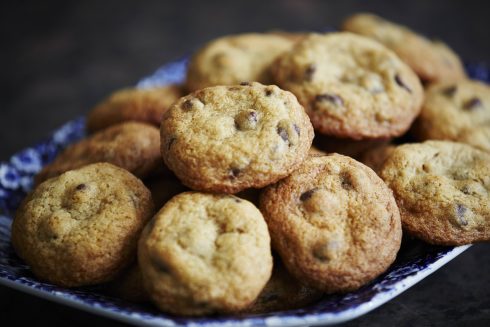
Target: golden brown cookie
[[205, 253], [433, 61], [133, 104], [229, 138], [351, 86], [132, 146], [456, 112], [442, 189], [283, 292], [82, 227], [234, 59], [334, 223]]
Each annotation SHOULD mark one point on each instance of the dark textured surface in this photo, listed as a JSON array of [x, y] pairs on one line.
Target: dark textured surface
[[60, 58]]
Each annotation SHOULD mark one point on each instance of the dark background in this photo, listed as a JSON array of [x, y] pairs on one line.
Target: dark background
[[58, 58]]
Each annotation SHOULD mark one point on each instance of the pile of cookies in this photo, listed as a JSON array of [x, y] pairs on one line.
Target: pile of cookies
[[229, 208]]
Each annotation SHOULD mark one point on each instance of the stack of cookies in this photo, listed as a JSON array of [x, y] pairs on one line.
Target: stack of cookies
[[228, 208]]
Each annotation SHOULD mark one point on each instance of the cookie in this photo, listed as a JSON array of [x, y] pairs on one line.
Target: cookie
[[442, 189], [351, 86], [375, 157], [132, 146], [234, 59], [456, 112], [346, 146], [229, 138], [133, 104], [283, 292], [433, 61], [334, 223], [205, 253], [129, 286], [82, 227], [163, 188]]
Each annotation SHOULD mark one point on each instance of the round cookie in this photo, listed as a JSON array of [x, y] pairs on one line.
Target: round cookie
[[432, 60], [334, 223], [133, 104], [351, 86], [82, 227], [229, 138], [283, 292], [205, 253], [442, 190], [456, 112], [132, 146], [375, 158], [236, 58]]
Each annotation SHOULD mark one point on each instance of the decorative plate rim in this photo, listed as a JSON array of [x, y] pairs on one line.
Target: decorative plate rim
[[16, 180]]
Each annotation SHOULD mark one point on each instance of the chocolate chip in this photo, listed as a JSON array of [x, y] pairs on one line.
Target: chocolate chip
[[234, 172], [81, 187], [472, 103], [320, 252], [296, 128], [187, 105], [237, 200], [335, 99], [246, 120], [460, 211], [402, 84], [268, 92], [465, 190], [245, 84], [308, 194], [309, 72], [449, 91], [282, 133], [346, 182]]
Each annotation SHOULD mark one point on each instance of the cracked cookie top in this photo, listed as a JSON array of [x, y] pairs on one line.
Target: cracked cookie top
[[350, 86], [81, 228], [442, 189], [205, 253], [334, 223], [229, 138]]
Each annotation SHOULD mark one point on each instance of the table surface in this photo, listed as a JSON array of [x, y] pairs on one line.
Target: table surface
[[59, 58]]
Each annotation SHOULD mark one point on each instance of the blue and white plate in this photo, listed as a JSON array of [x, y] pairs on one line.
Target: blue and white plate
[[415, 261]]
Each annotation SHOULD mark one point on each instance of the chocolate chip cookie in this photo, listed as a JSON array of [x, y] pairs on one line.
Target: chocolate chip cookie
[[132, 146], [442, 189], [82, 227], [229, 138], [334, 223], [205, 253], [432, 60], [237, 58], [456, 112], [351, 86], [132, 104]]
